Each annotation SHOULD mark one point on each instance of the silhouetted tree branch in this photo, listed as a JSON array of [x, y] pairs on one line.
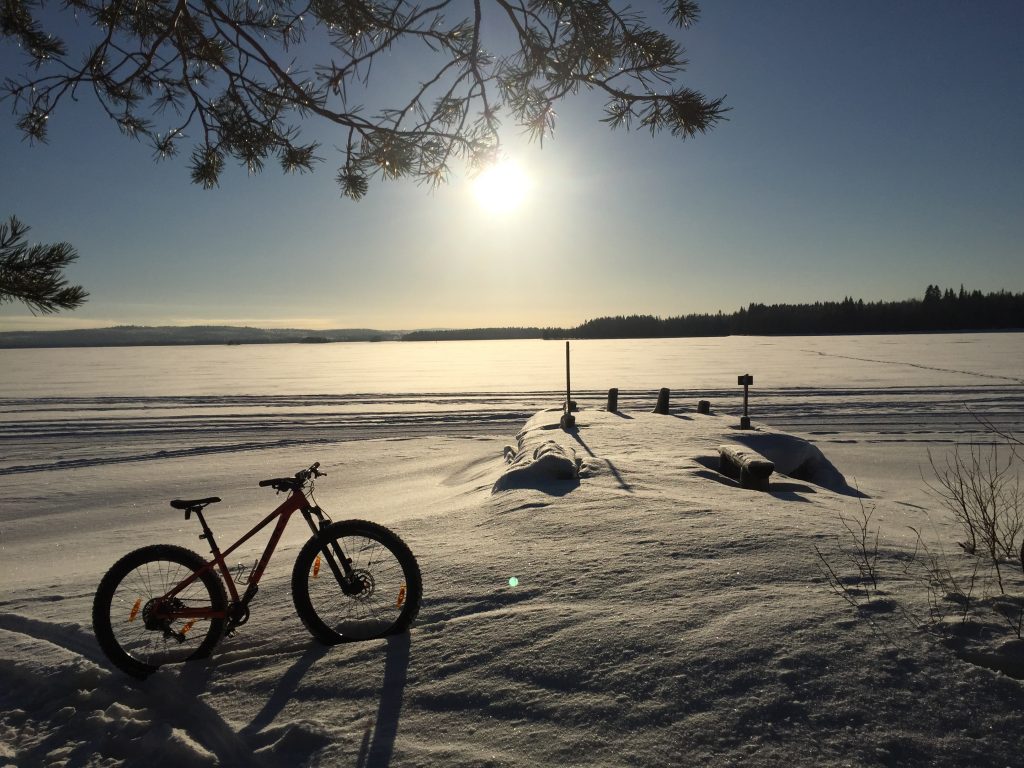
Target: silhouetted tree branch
[[34, 274], [242, 76]]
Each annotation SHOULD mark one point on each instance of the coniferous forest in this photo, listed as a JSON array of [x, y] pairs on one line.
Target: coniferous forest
[[937, 311]]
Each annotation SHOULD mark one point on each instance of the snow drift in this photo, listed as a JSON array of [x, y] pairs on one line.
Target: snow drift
[[620, 603], [546, 456]]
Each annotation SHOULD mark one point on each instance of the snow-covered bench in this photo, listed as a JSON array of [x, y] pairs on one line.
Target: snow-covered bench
[[747, 465]]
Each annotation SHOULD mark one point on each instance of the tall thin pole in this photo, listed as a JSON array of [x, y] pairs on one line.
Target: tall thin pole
[[568, 391]]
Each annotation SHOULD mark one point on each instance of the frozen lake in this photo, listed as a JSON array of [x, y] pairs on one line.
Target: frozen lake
[[79, 407], [495, 367]]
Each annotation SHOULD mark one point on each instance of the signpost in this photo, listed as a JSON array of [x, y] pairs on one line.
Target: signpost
[[745, 381]]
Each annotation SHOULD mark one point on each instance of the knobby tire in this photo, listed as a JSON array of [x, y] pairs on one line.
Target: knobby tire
[[138, 577], [392, 586]]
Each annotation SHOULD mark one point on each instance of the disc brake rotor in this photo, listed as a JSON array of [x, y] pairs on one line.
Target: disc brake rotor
[[367, 585]]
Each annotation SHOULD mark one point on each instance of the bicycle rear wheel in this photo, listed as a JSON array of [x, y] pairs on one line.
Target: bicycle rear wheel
[[377, 595], [123, 611]]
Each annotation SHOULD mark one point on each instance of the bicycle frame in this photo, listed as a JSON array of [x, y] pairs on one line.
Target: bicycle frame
[[296, 502]]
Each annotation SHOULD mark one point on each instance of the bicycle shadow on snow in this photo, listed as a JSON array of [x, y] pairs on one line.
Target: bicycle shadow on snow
[[285, 689], [244, 747], [379, 739]]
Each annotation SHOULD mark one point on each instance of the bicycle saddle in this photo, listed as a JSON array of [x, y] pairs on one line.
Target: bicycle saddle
[[193, 503]]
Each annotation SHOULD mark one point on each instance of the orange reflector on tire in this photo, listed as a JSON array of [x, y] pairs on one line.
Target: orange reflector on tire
[[187, 627], [316, 566], [401, 597], [135, 610]]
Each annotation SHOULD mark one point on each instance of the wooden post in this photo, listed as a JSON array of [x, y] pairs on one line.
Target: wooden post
[[745, 380], [703, 406], [613, 400], [662, 406]]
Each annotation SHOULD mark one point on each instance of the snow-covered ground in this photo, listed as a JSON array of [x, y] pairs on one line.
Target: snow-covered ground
[[661, 615]]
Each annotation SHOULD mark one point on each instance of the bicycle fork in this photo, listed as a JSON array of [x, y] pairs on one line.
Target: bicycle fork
[[338, 562]]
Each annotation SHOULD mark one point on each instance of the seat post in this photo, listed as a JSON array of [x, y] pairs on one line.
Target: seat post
[[207, 534]]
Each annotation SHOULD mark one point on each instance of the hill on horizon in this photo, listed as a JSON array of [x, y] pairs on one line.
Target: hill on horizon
[[170, 335]]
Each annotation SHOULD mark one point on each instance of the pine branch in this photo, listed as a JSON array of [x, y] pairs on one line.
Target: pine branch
[[34, 275], [247, 77]]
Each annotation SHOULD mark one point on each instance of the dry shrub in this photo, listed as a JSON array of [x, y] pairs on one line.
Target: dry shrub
[[982, 489]]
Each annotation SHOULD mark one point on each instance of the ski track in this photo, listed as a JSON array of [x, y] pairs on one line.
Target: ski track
[[39, 435], [921, 366]]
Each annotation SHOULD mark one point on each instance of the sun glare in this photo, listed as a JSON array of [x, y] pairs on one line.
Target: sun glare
[[501, 188]]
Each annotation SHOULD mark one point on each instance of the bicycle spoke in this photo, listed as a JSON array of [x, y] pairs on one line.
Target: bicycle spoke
[[135, 620], [372, 599]]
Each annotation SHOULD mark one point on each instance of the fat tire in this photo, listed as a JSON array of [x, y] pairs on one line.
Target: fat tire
[[301, 575], [103, 601]]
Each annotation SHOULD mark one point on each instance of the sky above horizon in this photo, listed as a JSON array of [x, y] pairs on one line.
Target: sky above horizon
[[872, 149]]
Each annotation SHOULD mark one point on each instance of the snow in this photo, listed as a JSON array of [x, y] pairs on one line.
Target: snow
[[662, 615]]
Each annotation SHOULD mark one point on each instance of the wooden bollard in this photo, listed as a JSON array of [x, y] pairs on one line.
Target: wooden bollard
[[662, 406], [745, 381], [613, 400], [704, 406]]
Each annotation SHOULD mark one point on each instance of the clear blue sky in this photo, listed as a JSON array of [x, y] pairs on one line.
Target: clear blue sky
[[872, 148]]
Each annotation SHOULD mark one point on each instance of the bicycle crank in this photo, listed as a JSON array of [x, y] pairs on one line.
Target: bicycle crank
[[238, 614]]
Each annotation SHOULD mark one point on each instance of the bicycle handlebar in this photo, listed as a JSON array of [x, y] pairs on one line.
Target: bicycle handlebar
[[301, 477]]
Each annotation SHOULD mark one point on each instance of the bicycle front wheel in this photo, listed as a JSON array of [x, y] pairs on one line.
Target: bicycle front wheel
[[356, 580], [128, 604]]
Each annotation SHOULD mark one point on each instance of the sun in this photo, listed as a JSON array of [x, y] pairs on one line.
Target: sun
[[502, 187]]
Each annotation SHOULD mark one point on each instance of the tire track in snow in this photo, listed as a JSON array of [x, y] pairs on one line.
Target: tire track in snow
[[340, 435], [996, 376]]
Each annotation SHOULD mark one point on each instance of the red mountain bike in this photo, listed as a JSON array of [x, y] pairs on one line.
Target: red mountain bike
[[353, 580]]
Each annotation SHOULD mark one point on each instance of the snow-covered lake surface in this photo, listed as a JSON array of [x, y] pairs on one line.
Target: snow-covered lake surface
[[457, 367], [663, 616], [82, 406]]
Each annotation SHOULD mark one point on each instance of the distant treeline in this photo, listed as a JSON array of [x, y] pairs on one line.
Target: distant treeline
[[939, 310], [475, 334]]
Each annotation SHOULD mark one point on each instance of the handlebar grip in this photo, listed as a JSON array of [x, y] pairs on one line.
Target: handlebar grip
[[300, 478]]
